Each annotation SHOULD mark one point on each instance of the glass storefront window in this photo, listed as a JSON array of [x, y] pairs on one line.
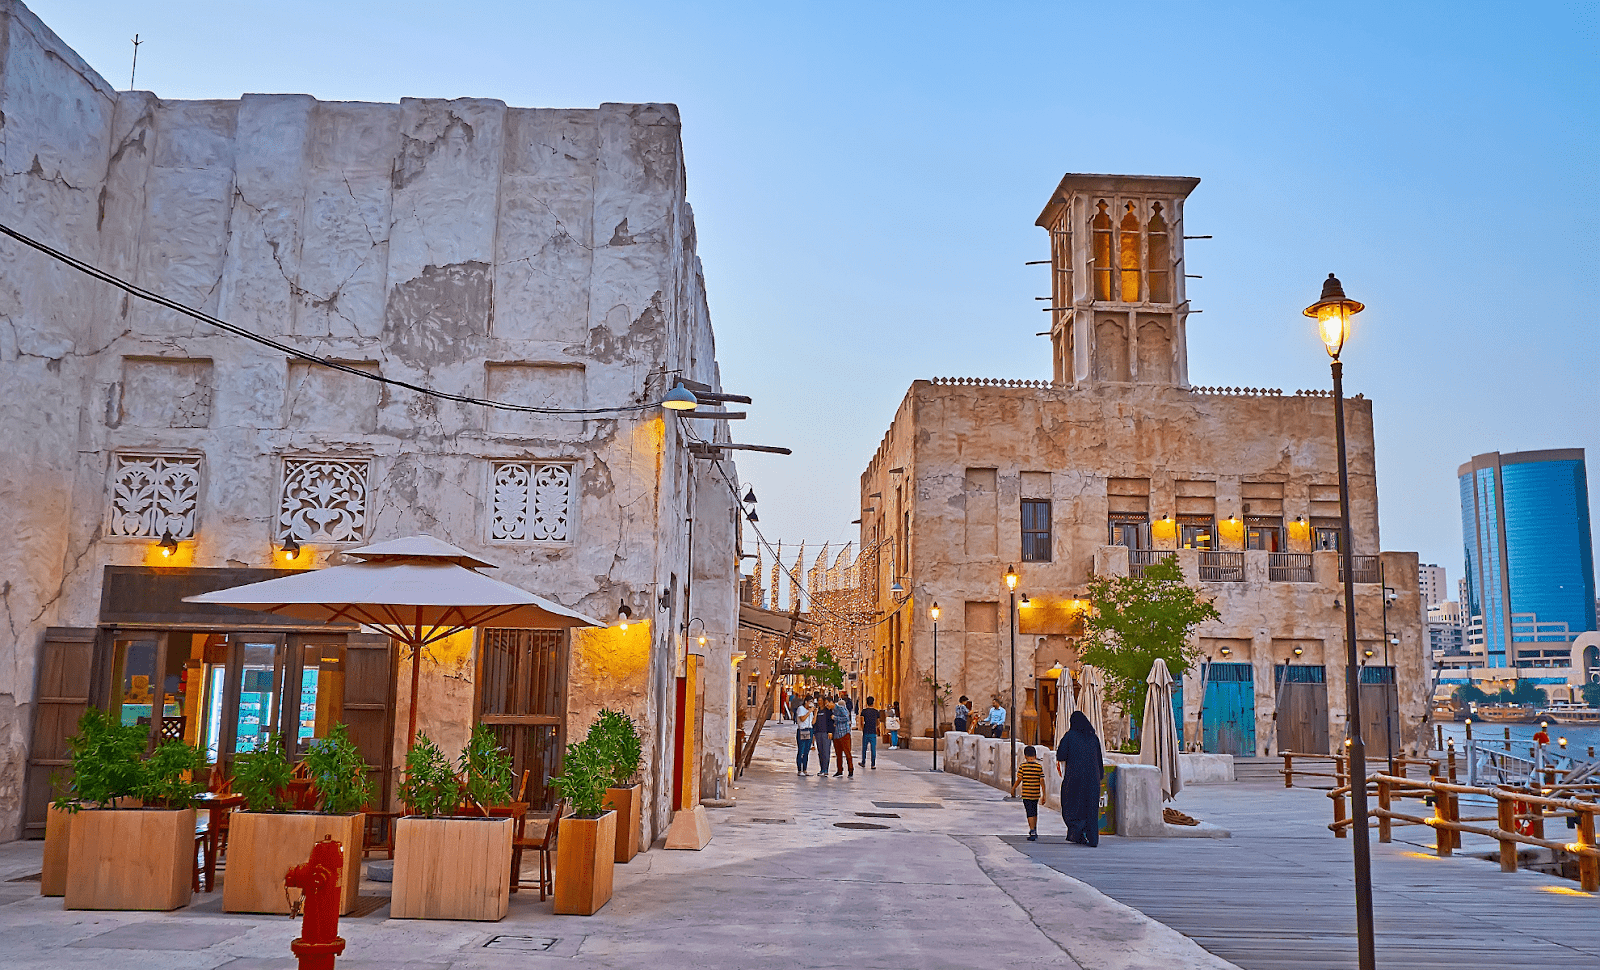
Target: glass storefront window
[[133, 665]]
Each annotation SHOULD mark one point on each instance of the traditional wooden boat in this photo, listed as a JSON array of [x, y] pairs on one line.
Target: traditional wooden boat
[[1505, 713], [1573, 715]]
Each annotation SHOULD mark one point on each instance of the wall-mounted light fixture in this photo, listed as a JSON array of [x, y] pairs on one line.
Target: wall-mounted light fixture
[[623, 614], [1227, 651], [1024, 602], [168, 544], [291, 548], [680, 398], [750, 496]]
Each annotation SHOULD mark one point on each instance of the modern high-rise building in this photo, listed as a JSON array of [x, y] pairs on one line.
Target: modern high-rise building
[[1529, 557], [1431, 584]]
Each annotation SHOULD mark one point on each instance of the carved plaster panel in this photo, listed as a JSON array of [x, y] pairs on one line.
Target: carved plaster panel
[[324, 499], [154, 494], [532, 501]]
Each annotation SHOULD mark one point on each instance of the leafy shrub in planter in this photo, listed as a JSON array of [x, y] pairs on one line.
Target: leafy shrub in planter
[[486, 768], [262, 776], [339, 773], [107, 765], [586, 773], [617, 739], [430, 787]]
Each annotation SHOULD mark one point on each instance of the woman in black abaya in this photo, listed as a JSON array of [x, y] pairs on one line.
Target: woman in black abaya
[[1079, 762]]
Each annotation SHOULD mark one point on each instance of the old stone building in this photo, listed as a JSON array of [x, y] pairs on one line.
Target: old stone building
[[1119, 462], [540, 257]]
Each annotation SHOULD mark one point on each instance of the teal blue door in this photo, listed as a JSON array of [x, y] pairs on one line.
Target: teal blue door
[[1229, 718]]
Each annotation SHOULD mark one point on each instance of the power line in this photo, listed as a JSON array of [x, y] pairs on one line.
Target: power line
[[238, 331]]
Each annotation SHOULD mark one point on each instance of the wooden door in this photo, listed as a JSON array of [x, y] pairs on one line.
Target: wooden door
[[1380, 712], [522, 697], [1229, 717], [60, 696], [368, 673], [1302, 708]]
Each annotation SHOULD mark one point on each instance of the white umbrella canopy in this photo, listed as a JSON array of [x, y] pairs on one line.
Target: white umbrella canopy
[[1065, 705], [1158, 733], [418, 590], [1091, 700]]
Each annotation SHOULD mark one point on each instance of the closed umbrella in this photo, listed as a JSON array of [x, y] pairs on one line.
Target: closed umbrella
[[1158, 733], [1065, 705], [419, 590], [1092, 699]]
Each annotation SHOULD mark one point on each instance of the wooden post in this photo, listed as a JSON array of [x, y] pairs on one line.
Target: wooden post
[[1506, 814], [1444, 811], [1288, 771], [1588, 866], [1537, 828], [1451, 755], [1383, 809]]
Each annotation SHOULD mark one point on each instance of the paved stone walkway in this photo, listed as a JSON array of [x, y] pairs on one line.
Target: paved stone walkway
[[780, 886]]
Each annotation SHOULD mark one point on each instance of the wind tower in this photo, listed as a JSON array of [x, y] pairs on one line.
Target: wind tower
[[1118, 310]]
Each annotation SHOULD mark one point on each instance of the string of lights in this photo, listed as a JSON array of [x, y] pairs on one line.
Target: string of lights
[[238, 331]]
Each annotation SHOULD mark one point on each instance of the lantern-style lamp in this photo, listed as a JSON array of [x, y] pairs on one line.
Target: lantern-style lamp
[[1333, 313], [1011, 578], [680, 398]]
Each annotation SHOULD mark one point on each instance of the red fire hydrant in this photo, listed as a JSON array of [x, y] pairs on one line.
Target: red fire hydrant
[[318, 879]]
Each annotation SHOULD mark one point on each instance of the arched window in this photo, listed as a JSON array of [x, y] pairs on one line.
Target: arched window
[[1128, 256], [1102, 252], [1159, 263]]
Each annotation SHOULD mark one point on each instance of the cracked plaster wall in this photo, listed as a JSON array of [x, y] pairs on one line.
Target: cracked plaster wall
[[1081, 437], [421, 240]]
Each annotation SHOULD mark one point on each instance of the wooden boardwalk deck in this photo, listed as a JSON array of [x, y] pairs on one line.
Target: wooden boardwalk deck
[[1280, 895]]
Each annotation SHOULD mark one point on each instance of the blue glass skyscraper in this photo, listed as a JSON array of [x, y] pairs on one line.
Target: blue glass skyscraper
[[1529, 555]]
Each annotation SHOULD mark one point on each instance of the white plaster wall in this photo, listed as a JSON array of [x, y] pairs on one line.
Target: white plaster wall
[[423, 240]]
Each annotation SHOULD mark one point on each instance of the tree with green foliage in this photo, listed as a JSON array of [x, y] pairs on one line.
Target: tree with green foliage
[[833, 674], [1524, 693], [1135, 619], [106, 761], [1471, 694]]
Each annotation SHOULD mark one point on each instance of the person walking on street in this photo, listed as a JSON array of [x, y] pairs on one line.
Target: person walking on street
[[869, 733], [963, 709], [1030, 783], [841, 739], [802, 738], [891, 723], [1080, 764], [822, 731]]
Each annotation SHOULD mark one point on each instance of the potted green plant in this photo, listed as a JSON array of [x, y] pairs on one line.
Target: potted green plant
[[267, 838], [485, 768], [446, 865], [122, 856], [618, 738], [588, 836]]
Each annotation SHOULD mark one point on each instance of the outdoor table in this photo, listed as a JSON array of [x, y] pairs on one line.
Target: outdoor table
[[214, 829]]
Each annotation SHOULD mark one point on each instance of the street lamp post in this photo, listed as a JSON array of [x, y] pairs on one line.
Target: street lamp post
[[1332, 313], [1011, 714], [933, 611]]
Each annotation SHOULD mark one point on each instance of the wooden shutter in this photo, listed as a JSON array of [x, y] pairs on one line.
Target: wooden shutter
[[368, 707], [60, 696]]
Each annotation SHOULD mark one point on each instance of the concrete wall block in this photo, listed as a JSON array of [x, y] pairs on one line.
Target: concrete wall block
[[1139, 801]]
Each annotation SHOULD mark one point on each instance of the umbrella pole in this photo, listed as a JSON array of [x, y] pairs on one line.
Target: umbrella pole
[[416, 678]]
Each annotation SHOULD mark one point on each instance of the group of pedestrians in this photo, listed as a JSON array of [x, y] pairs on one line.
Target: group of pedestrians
[[1080, 764], [825, 721]]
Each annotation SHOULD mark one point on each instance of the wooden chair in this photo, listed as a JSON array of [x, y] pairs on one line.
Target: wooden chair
[[539, 835]]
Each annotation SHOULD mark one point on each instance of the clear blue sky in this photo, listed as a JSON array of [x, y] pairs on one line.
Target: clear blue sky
[[865, 179]]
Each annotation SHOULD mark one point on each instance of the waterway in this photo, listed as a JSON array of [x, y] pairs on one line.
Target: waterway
[[1580, 738]]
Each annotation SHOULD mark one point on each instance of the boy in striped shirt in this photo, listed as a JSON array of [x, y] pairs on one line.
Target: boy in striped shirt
[[1030, 784]]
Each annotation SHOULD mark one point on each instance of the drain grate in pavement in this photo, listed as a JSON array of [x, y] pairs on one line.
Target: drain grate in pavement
[[877, 815], [858, 825], [771, 821], [908, 804], [531, 943]]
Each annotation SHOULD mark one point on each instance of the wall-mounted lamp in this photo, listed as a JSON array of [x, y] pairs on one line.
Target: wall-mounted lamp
[[1054, 671], [1227, 651], [291, 548], [664, 601], [168, 544], [1024, 602], [1298, 652], [701, 639], [750, 496], [1368, 653], [680, 398], [752, 516], [623, 614], [896, 589]]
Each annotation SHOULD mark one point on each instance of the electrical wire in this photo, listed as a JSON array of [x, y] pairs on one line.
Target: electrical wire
[[238, 331]]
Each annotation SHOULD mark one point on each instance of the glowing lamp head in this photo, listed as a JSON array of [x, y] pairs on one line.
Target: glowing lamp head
[[1025, 602], [1011, 578], [168, 544], [680, 398], [1562, 742], [1333, 313], [291, 548], [623, 614], [702, 639], [1298, 651], [933, 611]]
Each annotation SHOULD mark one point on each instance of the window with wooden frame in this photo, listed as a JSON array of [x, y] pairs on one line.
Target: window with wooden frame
[[522, 697], [1035, 530]]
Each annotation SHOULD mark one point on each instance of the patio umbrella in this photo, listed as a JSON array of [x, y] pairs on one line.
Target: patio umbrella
[[1158, 734], [1065, 705], [1091, 701], [418, 590]]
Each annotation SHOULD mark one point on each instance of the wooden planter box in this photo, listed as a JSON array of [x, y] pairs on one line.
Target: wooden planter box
[[57, 829], [585, 856], [627, 805], [130, 859], [452, 868], [262, 847]]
